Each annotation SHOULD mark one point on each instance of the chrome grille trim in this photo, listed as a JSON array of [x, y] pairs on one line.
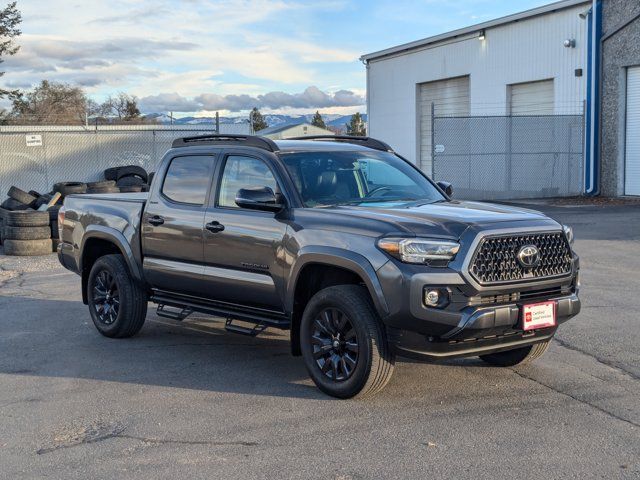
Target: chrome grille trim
[[494, 262]]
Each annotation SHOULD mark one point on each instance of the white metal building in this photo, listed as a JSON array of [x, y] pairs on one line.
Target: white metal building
[[530, 63], [291, 130]]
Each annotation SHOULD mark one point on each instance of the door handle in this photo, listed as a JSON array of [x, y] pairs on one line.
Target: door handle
[[214, 226], [156, 220]]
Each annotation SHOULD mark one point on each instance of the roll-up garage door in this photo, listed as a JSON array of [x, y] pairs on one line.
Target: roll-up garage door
[[632, 134], [449, 97], [532, 98]]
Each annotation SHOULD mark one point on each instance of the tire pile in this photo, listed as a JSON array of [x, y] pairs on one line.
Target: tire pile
[[27, 231], [24, 230]]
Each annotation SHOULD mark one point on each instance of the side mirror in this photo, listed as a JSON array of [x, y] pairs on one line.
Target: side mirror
[[446, 187], [261, 198]]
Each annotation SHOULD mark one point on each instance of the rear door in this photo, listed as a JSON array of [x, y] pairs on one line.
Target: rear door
[[243, 248], [172, 224]]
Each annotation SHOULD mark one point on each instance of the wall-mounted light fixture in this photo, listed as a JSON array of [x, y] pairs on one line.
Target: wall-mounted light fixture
[[481, 35], [569, 43]]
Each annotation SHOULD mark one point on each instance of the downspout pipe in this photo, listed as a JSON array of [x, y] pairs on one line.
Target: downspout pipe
[[594, 91]]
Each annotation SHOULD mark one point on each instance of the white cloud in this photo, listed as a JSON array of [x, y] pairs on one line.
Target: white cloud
[[310, 98]]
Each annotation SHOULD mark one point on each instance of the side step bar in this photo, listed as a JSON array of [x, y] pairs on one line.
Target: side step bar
[[182, 308], [173, 314]]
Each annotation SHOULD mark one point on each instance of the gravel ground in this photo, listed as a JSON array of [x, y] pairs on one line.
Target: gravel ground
[[188, 400]]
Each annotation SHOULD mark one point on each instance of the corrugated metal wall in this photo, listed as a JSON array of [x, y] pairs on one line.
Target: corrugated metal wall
[[448, 97], [632, 134], [525, 51]]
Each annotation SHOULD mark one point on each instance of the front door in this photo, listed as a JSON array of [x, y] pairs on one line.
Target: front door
[[243, 248], [172, 225]]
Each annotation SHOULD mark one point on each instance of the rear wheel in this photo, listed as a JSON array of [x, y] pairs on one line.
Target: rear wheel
[[344, 344], [517, 356], [118, 305]]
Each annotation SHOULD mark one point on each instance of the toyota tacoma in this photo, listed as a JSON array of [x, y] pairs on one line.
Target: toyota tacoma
[[339, 240]]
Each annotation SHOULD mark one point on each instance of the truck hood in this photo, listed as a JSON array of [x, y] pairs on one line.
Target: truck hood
[[446, 219]]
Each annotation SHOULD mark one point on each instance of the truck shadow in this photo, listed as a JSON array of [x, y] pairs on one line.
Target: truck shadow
[[52, 338]]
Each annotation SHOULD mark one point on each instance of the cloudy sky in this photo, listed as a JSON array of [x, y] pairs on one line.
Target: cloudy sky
[[199, 56]]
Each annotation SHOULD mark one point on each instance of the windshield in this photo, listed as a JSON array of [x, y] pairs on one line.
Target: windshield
[[356, 178]]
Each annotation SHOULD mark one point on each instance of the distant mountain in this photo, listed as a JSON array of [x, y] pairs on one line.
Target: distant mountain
[[332, 120]]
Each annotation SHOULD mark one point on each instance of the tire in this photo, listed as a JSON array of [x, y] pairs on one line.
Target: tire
[[374, 360], [133, 170], [69, 188], [14, 205], [131, 311], [103, 184], [130, 181], [27, 248], [27, 233], [517, 356], [131, 189], [27, 218], [111, 173], [53, 213], [21, 196], [42, 200], [55, 234]]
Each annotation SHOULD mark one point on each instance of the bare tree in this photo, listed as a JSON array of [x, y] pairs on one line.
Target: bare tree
[[51, 103]]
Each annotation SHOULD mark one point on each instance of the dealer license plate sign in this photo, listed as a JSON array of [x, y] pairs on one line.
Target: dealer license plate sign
[[539, 315]]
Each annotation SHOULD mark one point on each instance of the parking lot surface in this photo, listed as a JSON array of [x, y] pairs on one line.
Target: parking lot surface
[[188, 400]]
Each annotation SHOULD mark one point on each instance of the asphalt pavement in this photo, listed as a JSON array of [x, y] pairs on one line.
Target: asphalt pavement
[[188, 400]]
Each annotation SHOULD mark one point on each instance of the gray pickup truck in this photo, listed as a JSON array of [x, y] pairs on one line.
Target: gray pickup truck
[[339, 240]]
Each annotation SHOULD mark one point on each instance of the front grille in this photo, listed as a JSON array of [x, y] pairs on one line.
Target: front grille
[[495, 260]]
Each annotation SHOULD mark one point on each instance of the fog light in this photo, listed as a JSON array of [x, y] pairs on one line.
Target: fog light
[[432, 298], [435, 297]]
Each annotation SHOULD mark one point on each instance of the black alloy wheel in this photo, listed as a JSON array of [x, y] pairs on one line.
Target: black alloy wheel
[[335, 344], [344, 344], [106, 297]]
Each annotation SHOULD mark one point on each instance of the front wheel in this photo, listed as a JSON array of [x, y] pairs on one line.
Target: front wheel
[[517, 355], [118, 305], [343, 342]]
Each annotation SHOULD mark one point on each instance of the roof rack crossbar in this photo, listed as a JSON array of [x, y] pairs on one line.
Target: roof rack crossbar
[[364, 141], [227, 139]]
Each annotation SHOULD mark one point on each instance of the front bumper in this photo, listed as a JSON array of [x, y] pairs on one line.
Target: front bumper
[[481, 330]]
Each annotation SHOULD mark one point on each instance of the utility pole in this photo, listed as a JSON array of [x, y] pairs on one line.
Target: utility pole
[[217, 122], [171, 117]]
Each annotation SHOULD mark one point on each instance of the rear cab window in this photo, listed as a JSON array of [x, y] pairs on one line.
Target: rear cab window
[[187, 179]]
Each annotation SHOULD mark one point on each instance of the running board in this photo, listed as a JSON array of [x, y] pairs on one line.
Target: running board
[[256, 330], [178, 315], [185, 308]]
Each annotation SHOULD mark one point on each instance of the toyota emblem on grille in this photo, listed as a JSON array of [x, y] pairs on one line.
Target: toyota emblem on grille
[[529, 256]]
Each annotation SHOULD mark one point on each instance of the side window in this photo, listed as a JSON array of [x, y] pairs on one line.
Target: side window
[[187, 179], [243, 172]]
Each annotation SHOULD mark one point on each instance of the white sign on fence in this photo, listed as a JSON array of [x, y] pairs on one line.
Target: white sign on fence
[[439, 149], [34, 140]]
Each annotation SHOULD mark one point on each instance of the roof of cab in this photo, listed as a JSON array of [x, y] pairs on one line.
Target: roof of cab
[[317, 145]]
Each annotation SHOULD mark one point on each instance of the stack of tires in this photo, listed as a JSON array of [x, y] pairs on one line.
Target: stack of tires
[[23, 229], [27, 233], [129, 179]]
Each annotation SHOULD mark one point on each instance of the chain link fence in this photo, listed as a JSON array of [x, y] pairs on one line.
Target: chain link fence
[[36, 157], [509, 157]]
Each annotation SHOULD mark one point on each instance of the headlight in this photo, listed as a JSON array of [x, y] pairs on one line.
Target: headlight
[[436, 253], [568, 231]]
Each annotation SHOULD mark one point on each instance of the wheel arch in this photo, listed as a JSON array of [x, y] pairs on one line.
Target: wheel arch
[[99, 241], [316, 269]]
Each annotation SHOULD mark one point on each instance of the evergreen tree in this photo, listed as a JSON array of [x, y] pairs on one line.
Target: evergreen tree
[[318, 121], [10, 19], [257, 120], [356, 126]]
